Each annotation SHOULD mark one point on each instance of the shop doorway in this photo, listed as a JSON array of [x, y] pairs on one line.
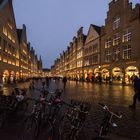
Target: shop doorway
[[131, 72], [5, 77], [117, 74]]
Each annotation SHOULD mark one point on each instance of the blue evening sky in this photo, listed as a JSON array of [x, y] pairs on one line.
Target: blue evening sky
[[51, 24]]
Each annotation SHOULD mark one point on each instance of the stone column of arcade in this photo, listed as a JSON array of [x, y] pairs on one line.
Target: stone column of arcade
[[123, 79]]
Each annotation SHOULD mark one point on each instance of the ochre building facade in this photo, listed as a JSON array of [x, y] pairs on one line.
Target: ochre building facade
[[111, 51], [17, 59]]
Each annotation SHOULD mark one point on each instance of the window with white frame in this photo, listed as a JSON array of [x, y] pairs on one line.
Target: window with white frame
[[79, 54], [116, 40], [86, 51], [107, 56], [108, 43], [86, 62], [116, 54], [127, 35], [95, 48], [127, 52], [90, 60], [95, 59], [116, 22], [79, 64]]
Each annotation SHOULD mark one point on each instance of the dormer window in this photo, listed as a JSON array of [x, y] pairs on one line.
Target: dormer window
[[116, 22]]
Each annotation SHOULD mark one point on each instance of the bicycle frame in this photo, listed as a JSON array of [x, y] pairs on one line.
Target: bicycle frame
[[107, 120]]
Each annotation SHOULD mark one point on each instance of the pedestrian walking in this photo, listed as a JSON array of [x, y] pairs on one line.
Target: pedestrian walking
[[137, 92], [64, 80]]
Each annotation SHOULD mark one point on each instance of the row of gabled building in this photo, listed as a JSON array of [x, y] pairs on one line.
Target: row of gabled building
[[110, 52], [18, 59]]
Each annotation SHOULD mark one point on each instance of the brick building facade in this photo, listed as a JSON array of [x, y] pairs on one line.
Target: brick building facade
[[118, 42], [15, 54]]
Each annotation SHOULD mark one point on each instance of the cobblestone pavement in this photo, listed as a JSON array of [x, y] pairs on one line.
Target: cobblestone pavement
[[117, 97]]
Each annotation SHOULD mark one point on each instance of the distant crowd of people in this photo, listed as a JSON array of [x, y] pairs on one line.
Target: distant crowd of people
[[46, 81]]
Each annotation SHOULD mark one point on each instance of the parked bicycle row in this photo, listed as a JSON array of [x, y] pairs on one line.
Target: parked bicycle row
[[61, 120]]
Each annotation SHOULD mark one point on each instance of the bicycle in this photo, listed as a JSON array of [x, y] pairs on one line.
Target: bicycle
[[73, 121], [38, 117], [107, 121], [10, 106]]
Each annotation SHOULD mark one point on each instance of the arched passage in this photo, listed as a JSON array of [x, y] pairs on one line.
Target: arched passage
[[5, 77], [12, 76], [105, 73], [17, 76], [96, 72], [117, 74], [131, 71]]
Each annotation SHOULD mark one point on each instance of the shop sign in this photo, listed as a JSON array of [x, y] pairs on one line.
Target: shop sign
[[104, 66], [131, 62]]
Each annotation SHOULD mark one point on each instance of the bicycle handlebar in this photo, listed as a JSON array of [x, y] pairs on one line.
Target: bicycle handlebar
[[76, 108], [105, 107]]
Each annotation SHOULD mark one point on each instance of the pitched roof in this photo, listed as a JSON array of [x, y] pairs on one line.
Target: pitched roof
[[3, 3], [19, 33], [97, 28]]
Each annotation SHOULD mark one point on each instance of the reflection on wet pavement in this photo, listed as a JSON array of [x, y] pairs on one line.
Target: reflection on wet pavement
[[117, 97]]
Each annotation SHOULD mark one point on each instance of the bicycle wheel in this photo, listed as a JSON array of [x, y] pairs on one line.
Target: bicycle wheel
[[22, 108], [49, 131], [104, 129], [30, 129], [64, 128]]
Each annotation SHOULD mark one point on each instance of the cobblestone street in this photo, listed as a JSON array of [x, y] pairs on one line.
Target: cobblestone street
[[116, 97]]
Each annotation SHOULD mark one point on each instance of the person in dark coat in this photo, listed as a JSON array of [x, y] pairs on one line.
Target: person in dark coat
[[64, 81], [137, 92]]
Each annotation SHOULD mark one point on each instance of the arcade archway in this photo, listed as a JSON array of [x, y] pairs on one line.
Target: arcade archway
[[96, 72], [5, 77], [117, 74], [105, 73], [131, 71], [12, 76]]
